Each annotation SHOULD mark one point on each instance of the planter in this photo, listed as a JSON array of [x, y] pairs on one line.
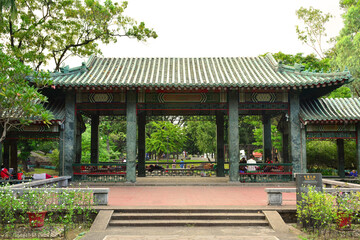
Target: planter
[[36, 219], [344, 221]]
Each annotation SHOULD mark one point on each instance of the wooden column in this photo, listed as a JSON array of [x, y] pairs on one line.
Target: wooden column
[[358, 147], [220, 144], [94, 139], [13, 155], [141, 144], [303, 150], [6, 155], [341, 157], [78, 140], [285, 147], [294, 130], [61, 151], [1, 148], [69, 134], [234, 135], [131, 136], [1, 153], [267, 145]]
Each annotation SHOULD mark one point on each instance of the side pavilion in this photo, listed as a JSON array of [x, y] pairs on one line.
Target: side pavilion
[[138, 88]]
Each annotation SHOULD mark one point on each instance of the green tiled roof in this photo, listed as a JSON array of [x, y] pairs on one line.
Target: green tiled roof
[[330, 109], [57, 108], [192, 72]]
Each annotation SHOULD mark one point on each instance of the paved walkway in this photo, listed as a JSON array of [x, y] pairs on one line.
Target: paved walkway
[[152, 196], [192, 191]]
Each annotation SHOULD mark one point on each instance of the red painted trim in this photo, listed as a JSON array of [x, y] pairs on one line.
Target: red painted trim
[[330, 137], [110, 109], [261, 109], [34, 138], [177, 109]]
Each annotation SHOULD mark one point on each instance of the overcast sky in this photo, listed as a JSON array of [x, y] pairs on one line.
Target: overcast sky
[[212, 28]]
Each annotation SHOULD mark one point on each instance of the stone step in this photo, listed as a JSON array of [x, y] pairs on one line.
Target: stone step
[[182, 210], [178, 216], [168, 223]]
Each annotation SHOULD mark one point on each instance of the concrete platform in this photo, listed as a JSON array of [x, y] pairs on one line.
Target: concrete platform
[[192, 193]]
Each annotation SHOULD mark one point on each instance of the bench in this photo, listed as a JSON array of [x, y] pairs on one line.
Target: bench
[[275, 194], [260, 176], [100, 195], [99, 176]]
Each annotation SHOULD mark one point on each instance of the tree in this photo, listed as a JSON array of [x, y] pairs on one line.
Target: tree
[[347, 48], [314, 31], [46, 29], [10, 5], [206, 137], [20, 99], [165, 138]]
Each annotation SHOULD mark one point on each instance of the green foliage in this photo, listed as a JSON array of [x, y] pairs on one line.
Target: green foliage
[[341, 92], [321, 212], [316, 210], [44, 30], [347, 48], [314, 30], [67, 209], [323, 155], [105, 154], [165, 137], [54, 158], [20, 102], [206, 137], [310, 62]]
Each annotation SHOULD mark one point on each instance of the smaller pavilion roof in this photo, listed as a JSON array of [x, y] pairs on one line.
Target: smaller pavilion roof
[[327, 110], [251, 72], [57, 108]]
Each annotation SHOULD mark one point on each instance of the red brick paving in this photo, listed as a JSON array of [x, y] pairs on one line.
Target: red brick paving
[[192, 196]]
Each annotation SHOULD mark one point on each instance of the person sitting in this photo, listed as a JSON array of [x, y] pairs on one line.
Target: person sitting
[[5, 174], [353, 173], [242, 168], [155, 167], [251, 168]]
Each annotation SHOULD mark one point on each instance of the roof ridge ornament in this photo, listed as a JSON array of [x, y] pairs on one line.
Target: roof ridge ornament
[[83, 67], [299, 67], [65, 69]]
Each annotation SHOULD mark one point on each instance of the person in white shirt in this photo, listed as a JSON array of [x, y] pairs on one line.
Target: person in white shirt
[[251, 168]]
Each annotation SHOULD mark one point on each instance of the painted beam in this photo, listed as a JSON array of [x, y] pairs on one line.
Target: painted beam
[[69, 134], [294, 130], [234, 135], [267, 145], [220, 157], [131, 136], [141, 145], [94, 139], [341, 157]]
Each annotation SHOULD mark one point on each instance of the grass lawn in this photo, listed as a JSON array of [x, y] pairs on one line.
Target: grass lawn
[[51, 172]]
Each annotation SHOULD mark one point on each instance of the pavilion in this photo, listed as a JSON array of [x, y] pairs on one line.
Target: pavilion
[[137, 88]]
